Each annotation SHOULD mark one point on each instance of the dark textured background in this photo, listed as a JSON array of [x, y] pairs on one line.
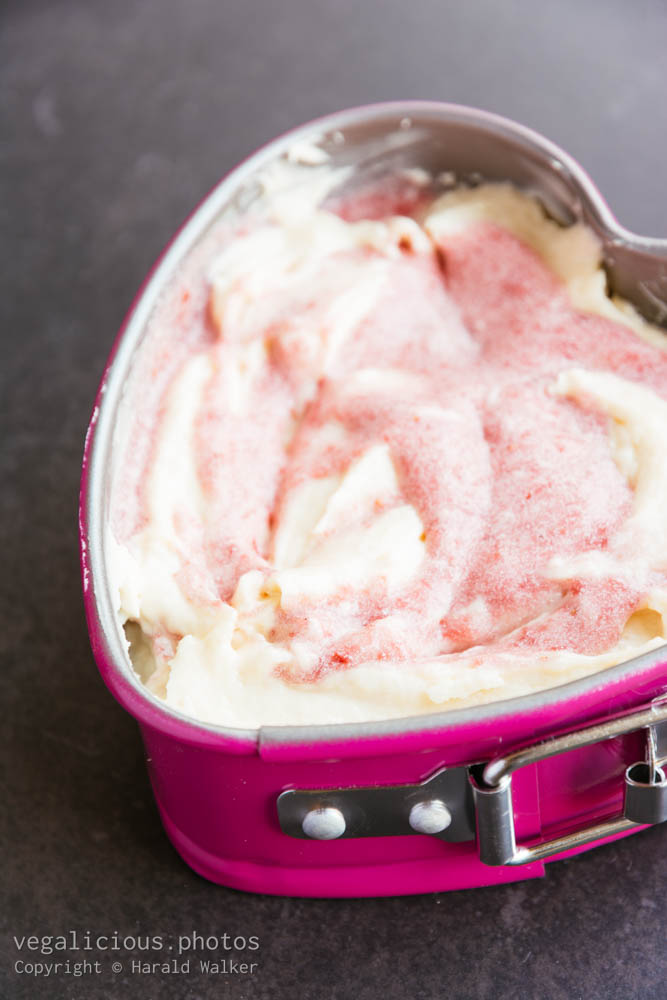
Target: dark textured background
[[116, 119]]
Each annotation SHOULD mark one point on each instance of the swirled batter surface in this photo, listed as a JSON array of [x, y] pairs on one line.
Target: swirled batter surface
[[378, 464]]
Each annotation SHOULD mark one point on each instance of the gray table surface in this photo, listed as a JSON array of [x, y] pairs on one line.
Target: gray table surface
[[116, 119]]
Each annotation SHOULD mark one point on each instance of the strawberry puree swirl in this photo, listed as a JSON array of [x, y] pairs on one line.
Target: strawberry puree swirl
[[380, 464]]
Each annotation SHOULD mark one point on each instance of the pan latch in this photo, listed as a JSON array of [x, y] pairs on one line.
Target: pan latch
[[441, 806], [645, 789]]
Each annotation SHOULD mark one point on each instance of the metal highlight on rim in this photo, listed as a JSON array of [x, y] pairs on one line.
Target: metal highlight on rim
[[102, 616]]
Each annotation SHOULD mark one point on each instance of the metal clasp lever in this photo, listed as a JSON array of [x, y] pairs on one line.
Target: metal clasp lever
[[645, 790]]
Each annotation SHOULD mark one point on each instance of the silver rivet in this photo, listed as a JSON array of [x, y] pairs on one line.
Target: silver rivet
[[431, 816], [324, 824]]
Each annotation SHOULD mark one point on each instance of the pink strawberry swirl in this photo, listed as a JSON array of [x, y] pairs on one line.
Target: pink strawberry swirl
[[452, 369]]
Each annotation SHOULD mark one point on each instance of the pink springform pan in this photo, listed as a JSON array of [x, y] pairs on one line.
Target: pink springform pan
[[445, 801]]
